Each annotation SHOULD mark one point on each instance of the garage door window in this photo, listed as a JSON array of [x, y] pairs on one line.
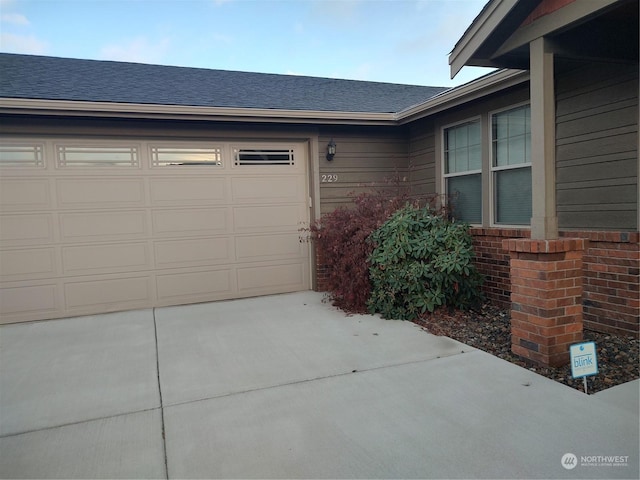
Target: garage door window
[[171, 157], [21, 155], [263, 157], [94, 156]]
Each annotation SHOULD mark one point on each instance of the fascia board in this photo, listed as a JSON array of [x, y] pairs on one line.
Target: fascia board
[[474, 90], [495, 12], [107, 109]]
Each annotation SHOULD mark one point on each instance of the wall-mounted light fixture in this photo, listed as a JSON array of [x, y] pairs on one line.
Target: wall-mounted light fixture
[[331, 150]]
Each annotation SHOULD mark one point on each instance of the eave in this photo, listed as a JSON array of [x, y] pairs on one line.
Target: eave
[[180, 112]]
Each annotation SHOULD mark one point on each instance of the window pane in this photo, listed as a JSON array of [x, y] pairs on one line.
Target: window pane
[[517, 153], [474, 133], [168, 156], [463, 148], [73, 156], [475, 157], [500, 127], [501, 153], [466, 197], [462, 160], [517, 122], [511, 137], [264, 157], [450, 141], [513, 196], [450, 161], [14, 155]]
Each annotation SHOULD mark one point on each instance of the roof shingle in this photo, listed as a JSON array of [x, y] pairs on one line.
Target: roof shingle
[[52, 78]]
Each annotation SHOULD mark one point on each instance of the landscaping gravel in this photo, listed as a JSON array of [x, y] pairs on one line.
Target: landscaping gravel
[[489, 329]]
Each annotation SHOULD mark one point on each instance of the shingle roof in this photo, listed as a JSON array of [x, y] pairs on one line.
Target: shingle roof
[[51, 78]]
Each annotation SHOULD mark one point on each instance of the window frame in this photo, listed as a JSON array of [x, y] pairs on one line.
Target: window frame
[[73, 143], [493, 203], [39, 148], [219, 148], [443, 162]]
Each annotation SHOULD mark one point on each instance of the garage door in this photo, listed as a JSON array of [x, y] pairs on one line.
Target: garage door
[[91, 226]]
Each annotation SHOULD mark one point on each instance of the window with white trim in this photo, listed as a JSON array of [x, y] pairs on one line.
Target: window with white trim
[[21, 155], [97, 156], [183, 156], [511, 165], [463, 170]]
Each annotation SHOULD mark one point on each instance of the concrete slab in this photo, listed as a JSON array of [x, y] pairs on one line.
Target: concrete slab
[[66, 371], [625, 396], [215, 349], [469, 415], [124, 446]]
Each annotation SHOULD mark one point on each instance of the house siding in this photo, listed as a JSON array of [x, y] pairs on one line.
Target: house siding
[[422, 158], [597, 147], [365, 157]]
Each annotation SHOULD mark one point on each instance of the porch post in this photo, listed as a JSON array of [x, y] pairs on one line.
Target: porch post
[[544, 221]]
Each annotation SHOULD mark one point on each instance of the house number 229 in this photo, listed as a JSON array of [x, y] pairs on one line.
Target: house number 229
[[329, 178]]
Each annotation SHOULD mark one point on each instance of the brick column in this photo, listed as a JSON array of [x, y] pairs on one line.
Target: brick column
[[546, 298]]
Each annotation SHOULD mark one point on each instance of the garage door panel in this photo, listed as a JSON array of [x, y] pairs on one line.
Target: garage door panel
[[95, 259], [280, 277], [269, 247], [191, 222], [187, 287], [98, 224], [100, 193], [28, 263], [194, 252], [27, 229], [105, 295], [18, 194], [28, 301], [101, 226], [188, 191], [267, 189], [271, 218]]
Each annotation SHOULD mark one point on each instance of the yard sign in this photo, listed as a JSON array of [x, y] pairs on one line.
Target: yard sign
[[584, 361]]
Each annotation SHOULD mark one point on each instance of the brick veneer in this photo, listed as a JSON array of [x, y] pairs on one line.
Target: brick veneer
[[546, 298], [611, 276], [611, 296], [492, 261]]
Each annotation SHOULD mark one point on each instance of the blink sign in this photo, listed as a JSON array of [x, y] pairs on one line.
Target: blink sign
[[583, 359]]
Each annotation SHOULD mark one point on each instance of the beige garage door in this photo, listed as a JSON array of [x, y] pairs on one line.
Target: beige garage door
[[90, 226]]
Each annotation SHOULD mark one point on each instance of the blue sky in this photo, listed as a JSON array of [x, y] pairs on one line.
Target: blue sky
[[399, 41]]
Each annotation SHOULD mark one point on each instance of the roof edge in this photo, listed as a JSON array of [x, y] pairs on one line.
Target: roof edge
[[475, 89], [134, 110], [487, 20]]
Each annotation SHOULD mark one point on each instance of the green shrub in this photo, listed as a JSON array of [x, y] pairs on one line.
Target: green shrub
[[340, 238], [420, 262]]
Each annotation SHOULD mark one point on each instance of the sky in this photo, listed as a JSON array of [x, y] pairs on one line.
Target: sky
[[397, 41]]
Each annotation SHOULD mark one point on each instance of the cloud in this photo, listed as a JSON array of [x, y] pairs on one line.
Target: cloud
[[138, 50], [14, 18], [22, 44]]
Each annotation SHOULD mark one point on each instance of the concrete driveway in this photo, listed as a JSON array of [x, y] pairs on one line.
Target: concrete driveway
[[288, 387]]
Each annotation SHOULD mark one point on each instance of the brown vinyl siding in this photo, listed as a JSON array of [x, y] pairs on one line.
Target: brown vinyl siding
[[597, 147], [364, 158], [422, 158]]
